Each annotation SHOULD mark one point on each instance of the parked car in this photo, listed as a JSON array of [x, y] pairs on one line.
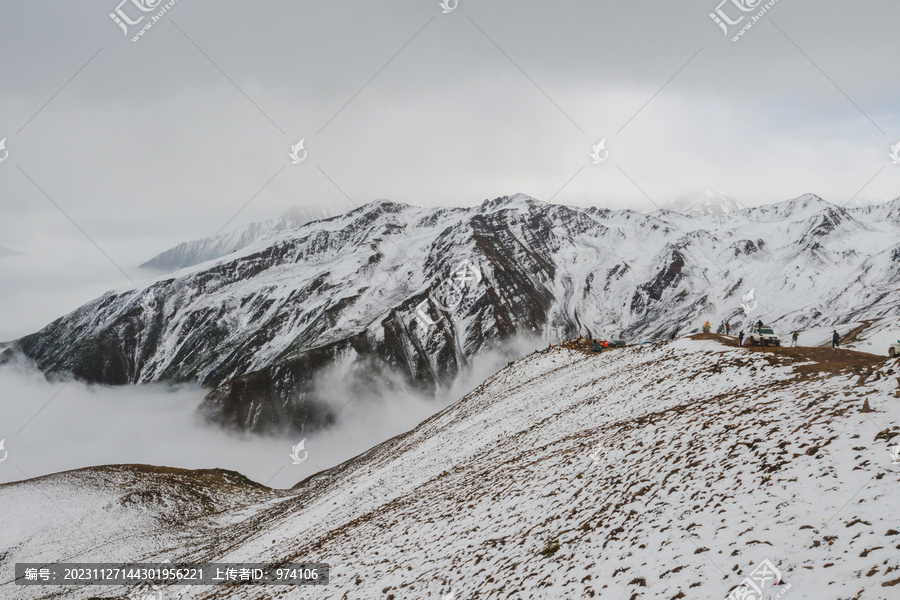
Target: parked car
[[894, 350], [617, 344], [763, 336], [603, 343]]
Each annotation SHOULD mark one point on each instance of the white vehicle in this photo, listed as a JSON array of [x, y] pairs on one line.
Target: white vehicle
[[763, 336], [894, 349]]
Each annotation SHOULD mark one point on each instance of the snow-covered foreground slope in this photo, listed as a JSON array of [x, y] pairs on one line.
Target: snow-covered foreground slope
[[663, 471]]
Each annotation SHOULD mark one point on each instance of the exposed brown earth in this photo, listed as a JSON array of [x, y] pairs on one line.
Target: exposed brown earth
[[812, 359], [822, 358]]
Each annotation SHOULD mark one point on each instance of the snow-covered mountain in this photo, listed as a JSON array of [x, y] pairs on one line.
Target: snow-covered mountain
[[705, 202], [863, 203], [663, 471], [353, 296], [199, 251]]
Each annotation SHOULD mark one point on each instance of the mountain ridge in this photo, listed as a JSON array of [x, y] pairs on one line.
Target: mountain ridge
[[195, 252], [705, 202], [358, 292]]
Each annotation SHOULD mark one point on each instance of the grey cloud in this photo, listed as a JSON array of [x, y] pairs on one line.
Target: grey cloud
[[151, 143]]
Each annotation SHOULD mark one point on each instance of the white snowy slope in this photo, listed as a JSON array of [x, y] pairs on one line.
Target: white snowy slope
[[663, 471], [705, 202], [192, 253], [873, 336], [258, 325]]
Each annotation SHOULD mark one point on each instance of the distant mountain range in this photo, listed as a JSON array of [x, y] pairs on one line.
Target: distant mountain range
[[358, 295], [705, 202], [188, 254]]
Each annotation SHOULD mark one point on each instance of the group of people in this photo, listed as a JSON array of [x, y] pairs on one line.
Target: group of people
[[759, 325], [795, 335], [593, 343]]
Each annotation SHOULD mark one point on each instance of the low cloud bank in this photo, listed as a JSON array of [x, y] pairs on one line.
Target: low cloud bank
[[50, 427]]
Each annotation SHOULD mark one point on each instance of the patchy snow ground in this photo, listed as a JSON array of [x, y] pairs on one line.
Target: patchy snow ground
[[877, 338], [663, 471], [873, 336]]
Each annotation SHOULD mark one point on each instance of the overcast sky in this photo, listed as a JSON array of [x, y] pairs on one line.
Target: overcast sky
[[130, 147]]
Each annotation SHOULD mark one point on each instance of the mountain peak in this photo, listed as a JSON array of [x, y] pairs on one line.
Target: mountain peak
[[297, 216], [514, 201], [384, 204], [705, 201], [259, 325], [188, 254], [808, 200]]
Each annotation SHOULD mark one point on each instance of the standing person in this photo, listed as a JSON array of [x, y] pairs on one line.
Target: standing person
[[706, 327], [835, 340], [741, 338], [727, 327], [794, 338]]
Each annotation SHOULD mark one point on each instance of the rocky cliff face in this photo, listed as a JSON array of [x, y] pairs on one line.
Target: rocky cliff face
[[362, 293]]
